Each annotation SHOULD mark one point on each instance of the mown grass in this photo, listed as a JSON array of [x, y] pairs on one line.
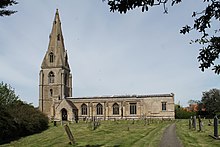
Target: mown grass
[[194, 138], [109, 133]]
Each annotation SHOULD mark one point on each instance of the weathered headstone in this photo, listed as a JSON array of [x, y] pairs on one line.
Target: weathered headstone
[[200, 123], [216, 127], [69, 134], [54, 123], [145, 121], [133, 121], [194, 122], [190, 123]]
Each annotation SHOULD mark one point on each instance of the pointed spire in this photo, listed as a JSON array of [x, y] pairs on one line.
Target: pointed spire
[[56, 48]]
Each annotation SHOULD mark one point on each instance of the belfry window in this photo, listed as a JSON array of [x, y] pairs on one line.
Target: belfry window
[[51, 56], [133, 108], [84, 109], [99, 109], [51, 77], [115, 109], [51, 92], [164, 106]]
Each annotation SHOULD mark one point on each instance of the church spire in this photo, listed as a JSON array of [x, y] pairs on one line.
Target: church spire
[[56, 55]]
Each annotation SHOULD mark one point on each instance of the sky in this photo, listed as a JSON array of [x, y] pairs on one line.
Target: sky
[[109, 53]]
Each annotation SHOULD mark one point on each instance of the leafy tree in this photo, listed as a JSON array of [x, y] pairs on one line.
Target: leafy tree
[[181, 113], [4, 4], [210, 39], [211, 101], [17, 118], [190, 102], [7, 95]]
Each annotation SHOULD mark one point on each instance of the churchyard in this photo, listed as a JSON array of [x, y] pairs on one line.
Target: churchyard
[[121, 133]]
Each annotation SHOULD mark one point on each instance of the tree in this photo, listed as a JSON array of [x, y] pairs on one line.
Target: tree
[[190, 102], [7, 95], [210, 39], [211, 101], [181, 113], [4, 4], [17, 118]]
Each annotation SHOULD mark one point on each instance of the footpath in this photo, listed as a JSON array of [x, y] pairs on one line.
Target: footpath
[[169, 138]]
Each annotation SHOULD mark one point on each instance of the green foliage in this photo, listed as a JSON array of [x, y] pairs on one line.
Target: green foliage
[[17, 118], [7, 126], [4, 4], [7, 95], [203, 20], [181, 113], [211, 101], [28, 119], [123, 6]]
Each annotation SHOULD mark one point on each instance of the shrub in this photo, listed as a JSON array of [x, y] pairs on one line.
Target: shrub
[[28, 119]]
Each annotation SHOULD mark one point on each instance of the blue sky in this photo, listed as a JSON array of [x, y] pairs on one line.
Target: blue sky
[[109, 53]]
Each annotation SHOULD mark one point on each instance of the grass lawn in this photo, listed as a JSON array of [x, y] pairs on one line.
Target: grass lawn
[[109, 133], [193, 138]]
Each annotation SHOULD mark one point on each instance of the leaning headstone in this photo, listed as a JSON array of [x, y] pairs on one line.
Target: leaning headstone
[[69, 134], [200, 123], [216, 127]]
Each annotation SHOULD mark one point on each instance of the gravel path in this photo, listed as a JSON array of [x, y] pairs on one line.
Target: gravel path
[[169, 138]]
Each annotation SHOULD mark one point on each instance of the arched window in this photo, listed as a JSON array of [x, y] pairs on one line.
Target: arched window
[[51, 77], [84, 109], [99, 109], [51, 92], [51, 56], [115, 109]]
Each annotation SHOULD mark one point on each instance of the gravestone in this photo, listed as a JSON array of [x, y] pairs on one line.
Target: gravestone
[[190, 122], [54, 123], [216, 127], [69, 134], [200, 123], [210, 123], [145, 121], [194, 122], [133, 121]]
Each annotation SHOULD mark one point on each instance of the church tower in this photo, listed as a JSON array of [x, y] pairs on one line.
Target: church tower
[[55, 79]]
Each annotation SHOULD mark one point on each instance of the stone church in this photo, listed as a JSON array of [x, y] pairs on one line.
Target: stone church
[[57, 102]]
